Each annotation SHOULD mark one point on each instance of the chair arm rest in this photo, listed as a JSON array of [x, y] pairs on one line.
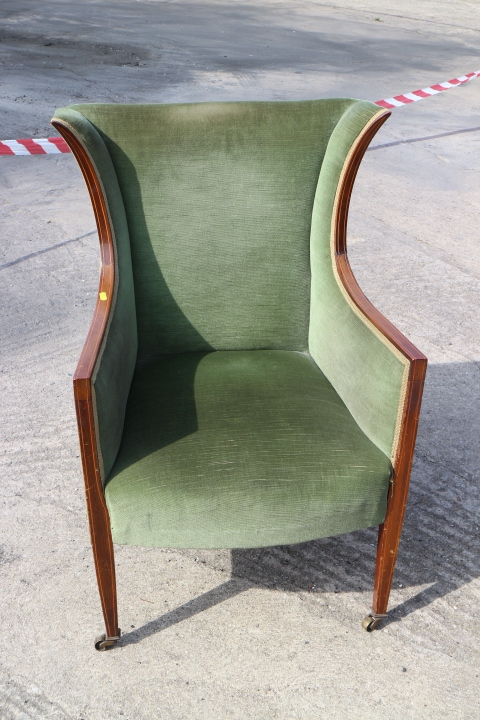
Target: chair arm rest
[[368, 361], [105, 369]]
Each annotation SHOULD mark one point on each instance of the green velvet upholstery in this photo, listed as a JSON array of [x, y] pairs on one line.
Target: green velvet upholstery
[[218, 198], [234, 436], [367, 373], [241, 449]]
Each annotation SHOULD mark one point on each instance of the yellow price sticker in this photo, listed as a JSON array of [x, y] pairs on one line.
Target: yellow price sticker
[[103, 296]]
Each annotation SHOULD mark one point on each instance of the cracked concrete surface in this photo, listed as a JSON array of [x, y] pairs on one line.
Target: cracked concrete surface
[[271, 633]]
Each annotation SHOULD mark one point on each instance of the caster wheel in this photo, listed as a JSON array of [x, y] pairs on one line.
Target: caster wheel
[[371, 622], [102, 642]]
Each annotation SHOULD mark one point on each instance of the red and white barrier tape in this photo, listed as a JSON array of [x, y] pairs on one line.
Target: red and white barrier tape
[[400, 100], [42, 146], [55, 145]]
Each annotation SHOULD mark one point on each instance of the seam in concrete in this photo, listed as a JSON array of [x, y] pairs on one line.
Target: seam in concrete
[[427, 137], [26, 701], [402, 17], [40, 252]]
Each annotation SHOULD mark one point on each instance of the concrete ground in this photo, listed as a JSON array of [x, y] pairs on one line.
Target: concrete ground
[[271, 633]]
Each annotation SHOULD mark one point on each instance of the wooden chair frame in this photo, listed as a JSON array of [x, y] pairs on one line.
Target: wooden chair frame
[[389, 531]]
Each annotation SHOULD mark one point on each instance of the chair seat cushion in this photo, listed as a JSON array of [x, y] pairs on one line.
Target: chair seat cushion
[[241, 449]]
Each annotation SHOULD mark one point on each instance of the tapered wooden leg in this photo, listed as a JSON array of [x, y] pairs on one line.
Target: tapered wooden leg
[[98, 517], [105, 568], [388, 541], [389, 532]]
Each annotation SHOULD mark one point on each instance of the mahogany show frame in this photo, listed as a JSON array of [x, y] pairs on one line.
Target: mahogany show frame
[[98, 517], [390, 530]]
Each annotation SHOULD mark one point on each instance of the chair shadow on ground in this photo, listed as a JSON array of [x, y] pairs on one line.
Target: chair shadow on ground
[[440, 544]]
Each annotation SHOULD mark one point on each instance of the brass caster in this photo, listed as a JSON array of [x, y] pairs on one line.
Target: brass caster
[[102, 642], [372, 621]]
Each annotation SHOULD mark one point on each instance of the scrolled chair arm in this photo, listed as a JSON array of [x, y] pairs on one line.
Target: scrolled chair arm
[[105, 369], [368, 361]]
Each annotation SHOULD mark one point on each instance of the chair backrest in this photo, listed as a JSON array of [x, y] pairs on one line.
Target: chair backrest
[[218, 200]]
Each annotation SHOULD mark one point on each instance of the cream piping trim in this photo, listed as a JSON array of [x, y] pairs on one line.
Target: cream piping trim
[[360, 314]]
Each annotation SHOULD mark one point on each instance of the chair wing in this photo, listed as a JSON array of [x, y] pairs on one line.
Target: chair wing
[[368, 364], [106, 366]]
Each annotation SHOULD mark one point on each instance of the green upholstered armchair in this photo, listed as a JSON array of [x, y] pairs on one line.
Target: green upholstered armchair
[[236, 388]]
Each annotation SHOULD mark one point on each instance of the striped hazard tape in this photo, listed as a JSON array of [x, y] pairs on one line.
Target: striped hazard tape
[[55, 145], [42, 146], [400, 100]]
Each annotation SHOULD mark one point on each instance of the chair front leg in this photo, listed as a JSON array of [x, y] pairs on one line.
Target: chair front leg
[[390, 531], [387, 549], [98, 517], [389, 534], [103, 555]]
